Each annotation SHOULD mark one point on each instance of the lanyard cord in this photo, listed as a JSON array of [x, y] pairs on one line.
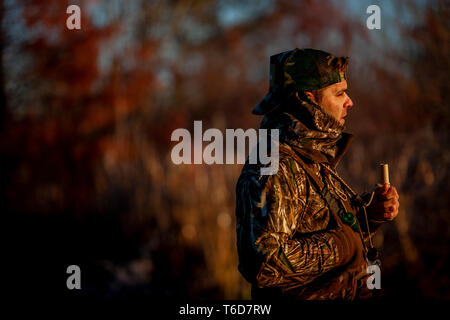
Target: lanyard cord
[[343, 197]]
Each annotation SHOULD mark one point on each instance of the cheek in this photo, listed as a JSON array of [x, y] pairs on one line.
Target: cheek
[[333, 106], [336, 105], [340, 104], [329, 105]]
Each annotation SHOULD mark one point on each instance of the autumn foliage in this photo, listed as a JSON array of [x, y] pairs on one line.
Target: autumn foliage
[[86, 119]]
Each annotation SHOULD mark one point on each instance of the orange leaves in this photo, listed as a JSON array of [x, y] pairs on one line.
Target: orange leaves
[[44, 13]]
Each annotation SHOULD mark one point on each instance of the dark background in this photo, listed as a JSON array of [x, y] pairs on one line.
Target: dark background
[[86, 117]]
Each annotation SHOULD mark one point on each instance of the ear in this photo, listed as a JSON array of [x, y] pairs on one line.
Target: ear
[[310, 96]]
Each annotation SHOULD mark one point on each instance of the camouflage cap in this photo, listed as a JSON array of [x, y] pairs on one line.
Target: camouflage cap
[[300, 70]]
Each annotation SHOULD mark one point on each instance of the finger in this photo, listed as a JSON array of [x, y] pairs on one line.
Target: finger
[[394, 190], [390, 203], [387, 214], [392, 193], [391, 215], [386, 203], [380, 196], [389, 195]]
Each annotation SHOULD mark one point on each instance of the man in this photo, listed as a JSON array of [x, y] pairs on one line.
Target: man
[[302, 233]]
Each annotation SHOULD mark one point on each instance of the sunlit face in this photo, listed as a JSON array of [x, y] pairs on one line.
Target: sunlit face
[[334, 100]]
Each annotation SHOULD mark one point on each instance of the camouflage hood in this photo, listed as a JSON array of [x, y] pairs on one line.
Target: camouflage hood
[[311, 132]]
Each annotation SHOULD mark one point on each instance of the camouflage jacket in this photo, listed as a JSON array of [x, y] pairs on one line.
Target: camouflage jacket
[[290, 235]]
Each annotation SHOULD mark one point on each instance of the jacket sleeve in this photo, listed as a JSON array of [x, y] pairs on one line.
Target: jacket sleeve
[[273, 210]]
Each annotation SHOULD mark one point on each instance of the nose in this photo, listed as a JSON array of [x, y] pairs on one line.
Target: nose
[[349, 102]]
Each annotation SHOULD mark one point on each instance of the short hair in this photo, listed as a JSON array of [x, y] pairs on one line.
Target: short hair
[[318, 94]]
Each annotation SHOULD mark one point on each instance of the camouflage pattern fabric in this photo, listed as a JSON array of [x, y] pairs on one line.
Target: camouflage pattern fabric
[[288, 238], [300, 70], [310, 69]]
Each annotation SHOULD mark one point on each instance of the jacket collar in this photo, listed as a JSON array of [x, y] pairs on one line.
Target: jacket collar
[[309, 131]]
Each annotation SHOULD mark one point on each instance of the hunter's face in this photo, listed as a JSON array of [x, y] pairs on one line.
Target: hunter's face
[[335, 101]]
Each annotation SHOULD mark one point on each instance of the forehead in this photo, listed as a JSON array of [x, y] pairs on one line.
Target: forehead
[[335, 87]]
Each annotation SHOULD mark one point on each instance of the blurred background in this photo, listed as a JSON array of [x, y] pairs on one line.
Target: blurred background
[[86, 116]]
